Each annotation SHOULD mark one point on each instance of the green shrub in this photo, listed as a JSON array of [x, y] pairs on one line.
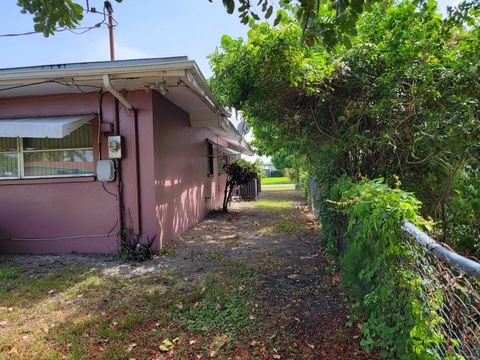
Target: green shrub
[[134, 250], [378, 271], [276, 173]]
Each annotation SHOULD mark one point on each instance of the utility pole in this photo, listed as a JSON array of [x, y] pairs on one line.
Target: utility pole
[[109, 9]]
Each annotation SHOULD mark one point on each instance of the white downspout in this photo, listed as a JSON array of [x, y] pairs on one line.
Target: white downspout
[[108, 85], [133, 114]]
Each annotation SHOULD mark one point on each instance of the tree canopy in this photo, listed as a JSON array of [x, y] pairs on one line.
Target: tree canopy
[[327, 20], [402, 100], [397, 104]]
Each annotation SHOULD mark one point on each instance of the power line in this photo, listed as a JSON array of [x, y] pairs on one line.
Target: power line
[[81, 29]]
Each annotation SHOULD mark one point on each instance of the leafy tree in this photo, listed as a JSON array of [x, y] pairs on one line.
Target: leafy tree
[[328, 20], [48, 15], [399, 103], [240, 172], [403, 100], [282, 160]]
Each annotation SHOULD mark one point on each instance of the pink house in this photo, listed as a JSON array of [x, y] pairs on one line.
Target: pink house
[[90, 149]]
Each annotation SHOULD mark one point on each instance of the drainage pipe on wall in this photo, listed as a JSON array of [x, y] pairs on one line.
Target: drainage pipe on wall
[[116, 131], [133, 112]]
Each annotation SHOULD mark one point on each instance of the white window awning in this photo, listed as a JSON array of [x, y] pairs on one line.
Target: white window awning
[[224, 149], [43, 127]]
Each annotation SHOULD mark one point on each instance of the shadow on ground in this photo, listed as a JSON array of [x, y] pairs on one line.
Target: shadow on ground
[[250, 284]]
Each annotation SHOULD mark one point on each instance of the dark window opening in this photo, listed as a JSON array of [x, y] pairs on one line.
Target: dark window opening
[[211, 158]]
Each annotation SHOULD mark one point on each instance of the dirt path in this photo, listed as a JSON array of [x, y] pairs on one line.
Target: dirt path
[[251, 284], [299, 286]]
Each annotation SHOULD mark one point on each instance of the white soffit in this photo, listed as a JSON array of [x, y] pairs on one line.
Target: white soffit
[[43, 127]]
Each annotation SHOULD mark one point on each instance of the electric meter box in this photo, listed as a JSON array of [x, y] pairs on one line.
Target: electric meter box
[[105, 170], [114, 147]]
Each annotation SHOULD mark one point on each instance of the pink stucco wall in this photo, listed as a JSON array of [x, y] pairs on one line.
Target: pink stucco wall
[[78, 214], [181, 179]]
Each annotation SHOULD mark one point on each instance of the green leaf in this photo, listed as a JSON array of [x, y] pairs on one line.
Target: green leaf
[[226, 41], [269, 12], [278, 18], [229, 5]]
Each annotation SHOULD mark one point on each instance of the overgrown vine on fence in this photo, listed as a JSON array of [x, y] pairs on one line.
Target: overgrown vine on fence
[[403, 101]]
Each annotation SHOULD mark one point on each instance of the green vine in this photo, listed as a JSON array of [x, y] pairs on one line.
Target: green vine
[[401, 310]]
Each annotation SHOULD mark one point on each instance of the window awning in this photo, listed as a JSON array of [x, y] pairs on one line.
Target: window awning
[[224, 149], [43, 127]]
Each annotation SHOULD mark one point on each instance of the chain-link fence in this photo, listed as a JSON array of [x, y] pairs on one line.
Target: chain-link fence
[[453, 282], [449, 281]]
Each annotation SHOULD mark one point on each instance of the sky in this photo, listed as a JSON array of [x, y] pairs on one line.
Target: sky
[[146, 28]]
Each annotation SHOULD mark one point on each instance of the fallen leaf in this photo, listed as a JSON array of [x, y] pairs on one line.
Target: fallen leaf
[[130, 347], [167, 345]]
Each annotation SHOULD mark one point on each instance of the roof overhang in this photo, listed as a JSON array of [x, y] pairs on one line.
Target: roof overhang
[[186, 86]]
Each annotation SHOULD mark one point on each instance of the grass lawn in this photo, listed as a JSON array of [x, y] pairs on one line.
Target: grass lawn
[[276, 180], [77, 313]]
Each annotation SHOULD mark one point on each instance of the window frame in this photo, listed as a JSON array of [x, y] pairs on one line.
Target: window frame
[[21, 163], [17, 152], [210, 159]]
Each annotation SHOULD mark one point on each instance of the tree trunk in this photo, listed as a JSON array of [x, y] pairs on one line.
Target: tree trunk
[[225, 196]]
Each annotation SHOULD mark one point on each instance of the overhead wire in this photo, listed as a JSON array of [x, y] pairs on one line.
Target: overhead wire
[[77, 31], [60, 81]]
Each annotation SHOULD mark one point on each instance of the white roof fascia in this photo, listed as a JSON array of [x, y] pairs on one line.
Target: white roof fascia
[[95, 72], [184, 68]]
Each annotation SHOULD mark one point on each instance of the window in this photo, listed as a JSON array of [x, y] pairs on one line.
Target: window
[[45, 157], [210, 158]]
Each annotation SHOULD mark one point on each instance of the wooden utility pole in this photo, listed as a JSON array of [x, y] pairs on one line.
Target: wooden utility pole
[[109, 9]]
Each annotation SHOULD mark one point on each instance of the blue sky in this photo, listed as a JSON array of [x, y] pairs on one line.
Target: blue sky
[[147, 28]]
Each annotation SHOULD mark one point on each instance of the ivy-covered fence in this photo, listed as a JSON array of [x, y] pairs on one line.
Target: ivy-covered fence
[[411, 303]]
